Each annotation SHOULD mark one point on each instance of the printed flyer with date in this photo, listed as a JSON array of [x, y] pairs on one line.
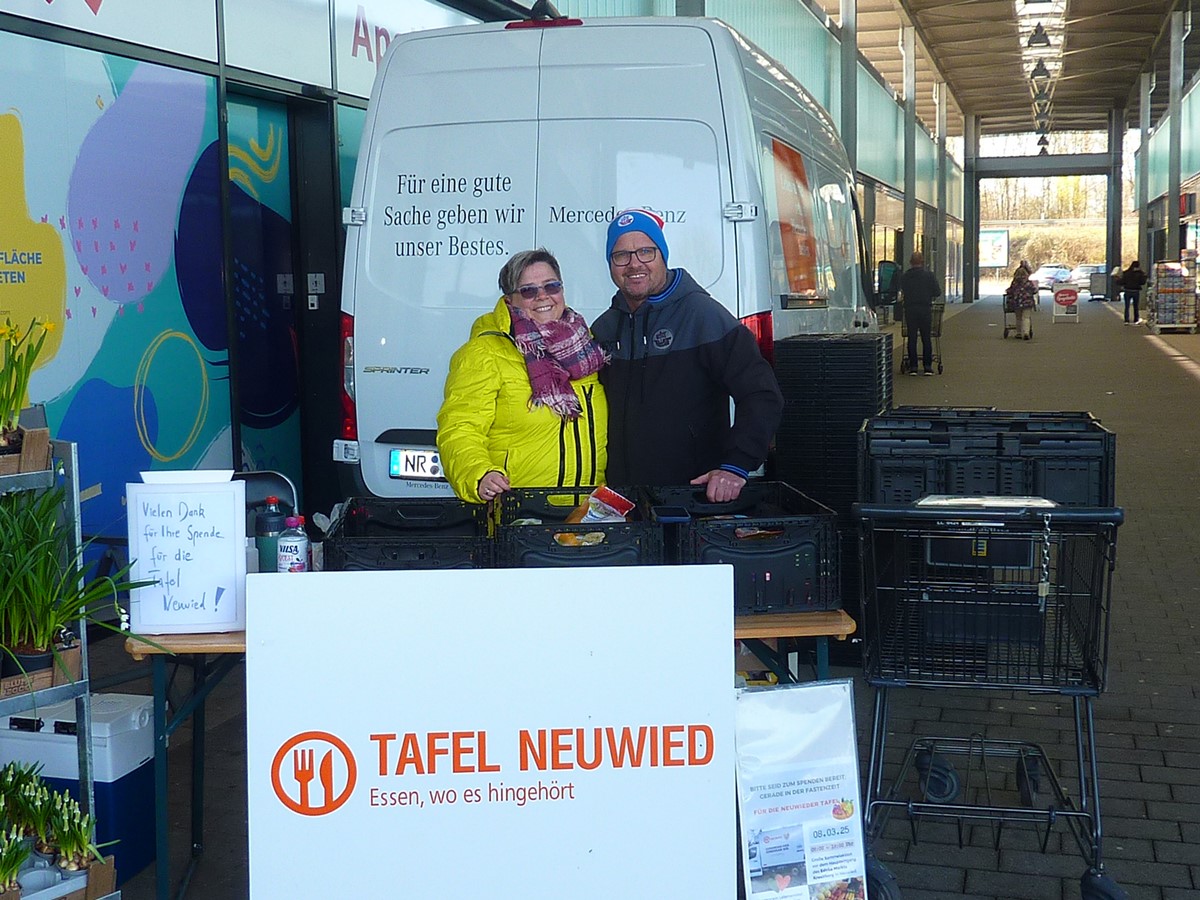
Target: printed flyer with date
[[798, 793]]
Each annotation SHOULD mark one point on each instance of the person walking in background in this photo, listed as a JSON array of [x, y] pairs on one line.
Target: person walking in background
[[1132, 280], [1021, 297], [919, 288], [523, 402], [678, 357]]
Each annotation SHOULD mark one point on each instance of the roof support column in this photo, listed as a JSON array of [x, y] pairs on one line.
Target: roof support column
[[908, 46], [849, 60], [970, 208], [1142, 190], [942, 218], [1116, 137], [1175, 135]]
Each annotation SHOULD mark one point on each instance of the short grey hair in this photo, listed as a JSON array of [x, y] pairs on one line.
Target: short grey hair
[[510, 274]]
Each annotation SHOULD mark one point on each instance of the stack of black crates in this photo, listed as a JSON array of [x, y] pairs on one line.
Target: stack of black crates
[[911, 452], [831, 384], [782, 545]]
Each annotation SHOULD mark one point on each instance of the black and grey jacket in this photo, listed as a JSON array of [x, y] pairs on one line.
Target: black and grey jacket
[[676, 361]]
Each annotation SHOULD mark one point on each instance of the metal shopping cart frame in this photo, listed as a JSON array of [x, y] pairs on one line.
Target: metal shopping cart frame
[[938, 312], [993, 594]]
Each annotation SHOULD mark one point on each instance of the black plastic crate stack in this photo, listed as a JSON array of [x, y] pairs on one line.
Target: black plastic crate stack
[[530, 530], [374, 533], [783, 546], [831, 383], [908, 453]]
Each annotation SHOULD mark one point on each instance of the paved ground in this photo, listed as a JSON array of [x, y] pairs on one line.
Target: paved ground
[[1144, 388]]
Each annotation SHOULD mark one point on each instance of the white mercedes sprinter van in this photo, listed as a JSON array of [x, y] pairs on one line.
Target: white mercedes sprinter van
[[484, 140]]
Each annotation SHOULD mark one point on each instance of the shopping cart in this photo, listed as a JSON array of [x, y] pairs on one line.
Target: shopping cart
[[935, 334], [987, 593]]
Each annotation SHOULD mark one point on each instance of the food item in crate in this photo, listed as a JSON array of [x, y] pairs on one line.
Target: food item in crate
[[754, 532], [602, 505], [579, 538]]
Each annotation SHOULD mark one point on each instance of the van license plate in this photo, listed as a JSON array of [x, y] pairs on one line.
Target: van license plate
[[406, 463]]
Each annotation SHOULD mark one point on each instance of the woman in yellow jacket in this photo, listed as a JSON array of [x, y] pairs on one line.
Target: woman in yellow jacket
[[523, 406]]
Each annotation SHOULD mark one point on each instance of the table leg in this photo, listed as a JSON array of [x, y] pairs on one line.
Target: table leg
[[199, 674], [162, 864], [822, 658]]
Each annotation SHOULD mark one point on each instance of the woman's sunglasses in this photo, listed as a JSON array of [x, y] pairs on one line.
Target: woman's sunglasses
[[530, 291]]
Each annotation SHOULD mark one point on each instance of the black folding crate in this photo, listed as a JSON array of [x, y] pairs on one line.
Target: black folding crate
[[783, 545], [374, 533], [1069, 458], [530, 530]]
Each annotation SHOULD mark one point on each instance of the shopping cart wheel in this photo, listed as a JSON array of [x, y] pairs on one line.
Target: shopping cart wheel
[[881, 883], [1029, 778], [1092, 886], [904, 365], [939, 368], [939, 782]]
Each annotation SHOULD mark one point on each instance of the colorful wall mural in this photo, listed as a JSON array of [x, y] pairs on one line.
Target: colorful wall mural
[[108, 173]]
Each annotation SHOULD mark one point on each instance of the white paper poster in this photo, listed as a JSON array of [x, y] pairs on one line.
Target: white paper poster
[[189, 537], [798, 794], [509, 733]]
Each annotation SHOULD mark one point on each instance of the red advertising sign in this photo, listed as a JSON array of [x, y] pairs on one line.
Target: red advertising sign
[[1065, 296]]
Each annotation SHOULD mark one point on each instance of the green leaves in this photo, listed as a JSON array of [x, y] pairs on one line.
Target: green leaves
[[18, 353], [44, 583]]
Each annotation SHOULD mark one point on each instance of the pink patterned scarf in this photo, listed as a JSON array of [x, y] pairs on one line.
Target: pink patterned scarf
[[556, 354]]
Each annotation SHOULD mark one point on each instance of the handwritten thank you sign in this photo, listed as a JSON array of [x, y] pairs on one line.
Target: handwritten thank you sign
[[189, 536]]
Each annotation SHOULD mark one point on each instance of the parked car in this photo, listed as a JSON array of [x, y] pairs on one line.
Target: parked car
[[1050, 276], [1081, 275]]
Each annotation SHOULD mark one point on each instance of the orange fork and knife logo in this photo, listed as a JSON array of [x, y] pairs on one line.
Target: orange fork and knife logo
[[296, 765]]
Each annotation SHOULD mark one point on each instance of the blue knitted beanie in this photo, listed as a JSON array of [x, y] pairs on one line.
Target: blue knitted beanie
[[643, 220]]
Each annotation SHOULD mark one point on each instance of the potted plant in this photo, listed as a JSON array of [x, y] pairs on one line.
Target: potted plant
[[19, 352], [45, 586], [73, 831], [14, 850], [37, 808]]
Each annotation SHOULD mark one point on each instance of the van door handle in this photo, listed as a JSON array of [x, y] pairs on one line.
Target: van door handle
[[738, 211]]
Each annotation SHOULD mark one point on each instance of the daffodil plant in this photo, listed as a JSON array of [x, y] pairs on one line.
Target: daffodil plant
[[19, 351]]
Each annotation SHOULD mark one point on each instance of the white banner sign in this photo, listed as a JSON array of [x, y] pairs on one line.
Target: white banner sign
[[801, 817], [533, 733]]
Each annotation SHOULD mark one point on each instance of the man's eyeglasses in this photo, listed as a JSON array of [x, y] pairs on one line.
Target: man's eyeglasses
[[530, 291], [624, 257]]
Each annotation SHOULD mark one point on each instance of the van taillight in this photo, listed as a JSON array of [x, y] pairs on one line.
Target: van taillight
[[762, 326], [349, 411]]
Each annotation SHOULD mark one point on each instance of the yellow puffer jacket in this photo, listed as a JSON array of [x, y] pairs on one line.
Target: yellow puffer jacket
[[486, 421]]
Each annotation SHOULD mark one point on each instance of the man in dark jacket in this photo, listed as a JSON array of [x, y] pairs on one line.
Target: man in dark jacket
[[919, 287], [678, 356], [1132, 280]]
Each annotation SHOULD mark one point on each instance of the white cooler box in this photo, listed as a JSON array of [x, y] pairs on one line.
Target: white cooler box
[[122, 767]]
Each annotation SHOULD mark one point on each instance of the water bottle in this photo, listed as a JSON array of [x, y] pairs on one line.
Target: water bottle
[[293, 547], [267, 526]]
